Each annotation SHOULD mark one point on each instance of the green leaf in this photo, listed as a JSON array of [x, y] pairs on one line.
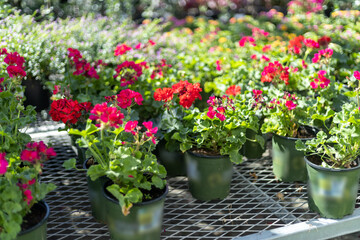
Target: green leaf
[[96, 171], [134, 195], [235, 156], [300, 146], [176, 136], [158, 182], [70, 164]]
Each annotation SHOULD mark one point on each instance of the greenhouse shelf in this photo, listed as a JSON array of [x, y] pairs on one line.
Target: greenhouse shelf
[[258, 206]]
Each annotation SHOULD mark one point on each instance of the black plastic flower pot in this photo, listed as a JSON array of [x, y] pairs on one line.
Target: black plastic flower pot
[[143, 223], [288, 163], [36, 95], [37, 231], [96, 196], [80, 151], [253, 150], [332, 192], [209, 176], [174, 162]]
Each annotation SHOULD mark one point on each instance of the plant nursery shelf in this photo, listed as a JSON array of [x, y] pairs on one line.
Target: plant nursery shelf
[[258, 206]]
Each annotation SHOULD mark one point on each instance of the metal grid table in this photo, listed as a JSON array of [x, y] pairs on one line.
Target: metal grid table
[[256, 203]]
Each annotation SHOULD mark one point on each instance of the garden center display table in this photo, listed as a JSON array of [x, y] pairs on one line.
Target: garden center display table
[[258, 206]]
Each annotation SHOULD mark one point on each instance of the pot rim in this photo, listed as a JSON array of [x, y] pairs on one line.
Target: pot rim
[[313, 165], [206, 156], [47, 209], [314, 129], [135, 204]]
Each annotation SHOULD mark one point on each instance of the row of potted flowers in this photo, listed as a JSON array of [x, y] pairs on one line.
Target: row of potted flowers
[[120, 144]]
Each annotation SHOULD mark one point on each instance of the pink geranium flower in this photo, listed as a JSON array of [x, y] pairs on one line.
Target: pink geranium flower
[[290, 105], [3, 164]]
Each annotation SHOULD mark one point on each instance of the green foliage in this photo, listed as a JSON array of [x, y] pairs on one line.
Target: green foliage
[[341, 147], [223, 137], [124, 157]]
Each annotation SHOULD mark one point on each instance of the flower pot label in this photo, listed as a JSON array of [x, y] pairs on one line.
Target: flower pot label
[[192, 170], [333, 188], [149, 218]]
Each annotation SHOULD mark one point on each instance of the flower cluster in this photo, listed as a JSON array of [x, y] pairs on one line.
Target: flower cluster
[[106, 116], [357, 75], [246, 39], [26, 191], [68, 111], [159, 69], [287, 100], [132, 126], [257, 32], [324, 41], [15, 62], [37, 153], [311, 43], [274, 72], [218, 107], [121, 49], [218, 66], [321, 81], [128, 72], [3, 164], [258, 98], [83, 67], [296, 44], [186, 91], [233, 90], [125, 98], [327, 53]]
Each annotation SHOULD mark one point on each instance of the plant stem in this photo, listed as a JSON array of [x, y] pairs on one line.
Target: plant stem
[[357, 94]]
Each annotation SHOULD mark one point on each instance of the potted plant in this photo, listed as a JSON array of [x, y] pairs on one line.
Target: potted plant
[[72, 113], [176, 99], [23, 214], [252, 148], [332, 162], [285, 117], [211, 140], [122, 153], [20, 189], [120, 104]]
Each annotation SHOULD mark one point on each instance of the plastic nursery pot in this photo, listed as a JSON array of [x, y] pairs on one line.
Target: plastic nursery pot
[[288, 163], [253, 150], [36, 95], [174, 162], [37, 231], [79, 151], [96, 197], [209, 176], [332, 192], [143, 223]]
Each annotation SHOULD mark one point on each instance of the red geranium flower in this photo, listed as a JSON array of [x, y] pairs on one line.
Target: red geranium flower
[[125, 97], [296, 44], [129, 72], [66, 110], [121, 49], [233, 90], [246, 39], [275, 71], [165, 94], [324, 41], [106, 116], [187, 92]]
